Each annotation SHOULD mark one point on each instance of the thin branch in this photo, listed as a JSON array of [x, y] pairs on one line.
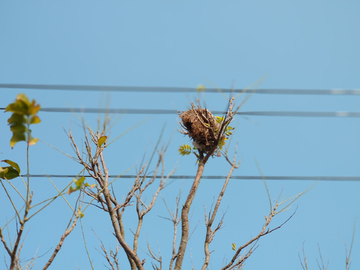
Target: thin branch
[[4, 242], [184, 217], [348, 257], [304, 266], [322, 267], [156, 258], [175, 220], [202, 161], [106, 255], [14, 254], [252, 243], [209, 232], [59, 245]]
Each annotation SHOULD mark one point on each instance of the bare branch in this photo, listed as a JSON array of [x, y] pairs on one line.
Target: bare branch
[[209, 232], [104, 251], [252, 243], [4, 242], [206, 133], [175, 220], [304, 266], [184, 218], [322, 267], [14, 256], [348, 256], [156, 258], [59, 245], [98, 170]]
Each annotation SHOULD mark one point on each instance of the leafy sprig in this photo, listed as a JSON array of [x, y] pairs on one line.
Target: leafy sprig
[[185, 150], [24, 115]]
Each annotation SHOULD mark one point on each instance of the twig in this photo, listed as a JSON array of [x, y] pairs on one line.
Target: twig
[[304, 266], [59, 245], [264, 231], [209, 232]]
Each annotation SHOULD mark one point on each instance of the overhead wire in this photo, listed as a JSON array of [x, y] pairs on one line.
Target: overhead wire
[[217, 177], [150, 89], [340, 114], [208, 90], [182, 90]]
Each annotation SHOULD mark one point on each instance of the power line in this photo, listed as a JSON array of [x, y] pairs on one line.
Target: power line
[[151, 89], [164, 111], [217, 177]]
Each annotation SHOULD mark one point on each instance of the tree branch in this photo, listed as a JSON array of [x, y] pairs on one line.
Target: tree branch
[[209, 233]]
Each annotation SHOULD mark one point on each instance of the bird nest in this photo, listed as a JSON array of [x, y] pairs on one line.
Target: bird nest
[[201, 126]]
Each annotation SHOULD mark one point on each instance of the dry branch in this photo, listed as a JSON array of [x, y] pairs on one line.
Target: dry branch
[[201, 126], [252, 243], [62, 239], [95, 165], [209, 232]]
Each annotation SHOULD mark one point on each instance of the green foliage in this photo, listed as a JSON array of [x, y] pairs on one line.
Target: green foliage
[[222, 142], [24, 115], [219, 119], [185, 149], [9, 172], [227, 133], [228, 130], [79, 183], [102, 140]]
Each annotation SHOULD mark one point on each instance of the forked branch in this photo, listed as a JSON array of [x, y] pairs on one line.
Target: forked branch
[[206, 133], [235, 261], [210, 233]]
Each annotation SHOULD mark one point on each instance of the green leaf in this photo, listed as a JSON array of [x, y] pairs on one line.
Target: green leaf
[[3, 171], [33, 140], [219, 119], [80, 214], [35, 119], [101, 140], [18, 108], [78, 184], [185, 149], [9, 172], [23, 98], [13, 164], [18, 128], [17, 119], [222, 142], [79, 181], [34, 109], [17, 137], [71, 190], [229, 128]]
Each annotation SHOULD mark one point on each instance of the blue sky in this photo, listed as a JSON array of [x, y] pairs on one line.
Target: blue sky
[[296, 45]]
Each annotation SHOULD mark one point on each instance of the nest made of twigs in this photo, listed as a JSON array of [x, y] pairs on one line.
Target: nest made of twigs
[[201, 126]]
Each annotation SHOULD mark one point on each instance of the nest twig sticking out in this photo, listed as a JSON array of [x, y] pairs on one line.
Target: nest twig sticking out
[[201, 126]]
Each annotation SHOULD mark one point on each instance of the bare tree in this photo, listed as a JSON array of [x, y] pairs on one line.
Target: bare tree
[[209, 134], [94, 163]]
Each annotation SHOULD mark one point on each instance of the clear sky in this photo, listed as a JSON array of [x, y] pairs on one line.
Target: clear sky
[[295, 44]]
